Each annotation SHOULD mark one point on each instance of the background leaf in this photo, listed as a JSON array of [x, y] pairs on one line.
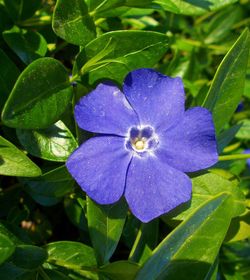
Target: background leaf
[[7, 248], [28, 45]]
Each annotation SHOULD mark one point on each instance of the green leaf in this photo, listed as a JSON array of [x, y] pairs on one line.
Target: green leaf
[[227, 86], [39, 97], [124, 51], [193, 7], [105, 224], [7, 248], [145, 242], [28, 45], [122, 270], [72, 22], [192, 247], [28, 256], [10, 271], [54, 143], [49, 188], [13, 162], [226, 137], [21, 9], [244, 131], [8, 76], [73, 256], [205, 188]]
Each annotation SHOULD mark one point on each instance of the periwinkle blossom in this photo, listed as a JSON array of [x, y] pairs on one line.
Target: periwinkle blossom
[[146, 142]]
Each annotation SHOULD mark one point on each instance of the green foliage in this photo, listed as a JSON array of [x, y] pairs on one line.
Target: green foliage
[[54, 52]]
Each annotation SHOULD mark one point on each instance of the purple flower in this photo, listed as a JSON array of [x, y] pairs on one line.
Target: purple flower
[[146, 141]]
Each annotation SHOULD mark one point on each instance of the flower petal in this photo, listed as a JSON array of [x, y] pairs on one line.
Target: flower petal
[[191, 145], [157, 99], [105, 110], [154, 188], [99, 166]]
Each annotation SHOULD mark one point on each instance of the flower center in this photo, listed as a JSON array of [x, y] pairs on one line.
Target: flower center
[[141, 139]]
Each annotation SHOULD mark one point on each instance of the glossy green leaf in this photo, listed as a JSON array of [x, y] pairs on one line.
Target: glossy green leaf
[[49, 188], [73, 256], [105, 224], [7, 248], [114, 54], [13, 162], [8, 76], [227, 86], [193, 7], [72, 22], [39, 97], [122, 270], [21, 9], [28, 45], [28, 256], [54, 143], [192, 247], [205, 188]]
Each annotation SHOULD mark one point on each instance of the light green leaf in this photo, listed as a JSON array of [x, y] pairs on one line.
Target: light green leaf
[[54, 143], [7, 248], [28, 45], [72, 22], [192, 247], [105, 224], [205, 188], [13, 162], [40, 96], [124, 51], [244, 131], [227, 86]]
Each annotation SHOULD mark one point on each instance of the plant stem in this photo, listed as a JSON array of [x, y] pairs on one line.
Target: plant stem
[[233, 157]]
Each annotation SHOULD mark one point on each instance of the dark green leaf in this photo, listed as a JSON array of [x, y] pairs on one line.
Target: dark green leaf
[[49, 188], [8, 76], [192, 247], [145, 242], [72, 22], [226, 137], [114, 54], [122, 270], [13, 162], [227, 87], [39, 97], [28, 45], [10, 271], [7, 248], [105, 224], [29, 257], [54, 143], [21, 9]]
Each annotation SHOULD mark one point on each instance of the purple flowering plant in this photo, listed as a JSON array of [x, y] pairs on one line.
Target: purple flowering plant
[[145, 143]]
